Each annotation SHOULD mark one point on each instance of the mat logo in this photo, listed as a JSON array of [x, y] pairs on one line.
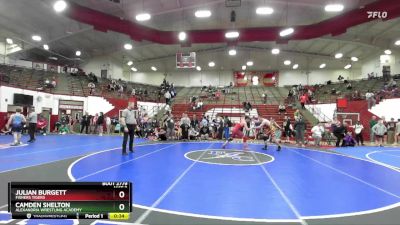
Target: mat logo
[[377, 14], [238, 156], [229, 157]]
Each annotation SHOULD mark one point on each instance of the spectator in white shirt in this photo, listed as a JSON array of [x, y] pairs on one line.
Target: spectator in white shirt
[[108, 124], [167, 96], [317, 132], [358, 128], [370, 99]]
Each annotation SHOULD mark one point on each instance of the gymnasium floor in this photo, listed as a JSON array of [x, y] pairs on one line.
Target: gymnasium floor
[[201, 183]]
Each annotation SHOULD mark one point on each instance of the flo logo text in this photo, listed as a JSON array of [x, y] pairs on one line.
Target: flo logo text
[[377, 14]]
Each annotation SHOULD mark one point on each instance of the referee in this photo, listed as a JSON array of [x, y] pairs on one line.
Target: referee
[[128, 122], [32, 120]]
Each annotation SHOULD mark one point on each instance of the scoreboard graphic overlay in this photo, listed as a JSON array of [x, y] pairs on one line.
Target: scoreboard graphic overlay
[[61, 200]]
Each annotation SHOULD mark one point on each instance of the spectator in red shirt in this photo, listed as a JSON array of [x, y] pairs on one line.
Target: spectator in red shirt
[[303, 100]]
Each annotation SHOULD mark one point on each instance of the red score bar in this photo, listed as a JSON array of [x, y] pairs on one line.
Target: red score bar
[[82, 195]]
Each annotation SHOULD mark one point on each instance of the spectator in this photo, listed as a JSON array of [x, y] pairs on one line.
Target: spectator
[[349, 86], [170, 124], [54, 82], [108, 124], [296, 114], [397, 133], [281, 109], [91, 87], [100, 123], [358, 128], [348, 140], [372, 123], [226, 126], [185, 119], [167, 96], [379, 131], [288, 128], [317, 132], [370, 96], [85, 121], [204, 133], [391, 129], [300, 127], [194, 123], [193, 134], [303, 100], [339, 131], [265, 97], [199, 105], [121, 90], [161, 134]]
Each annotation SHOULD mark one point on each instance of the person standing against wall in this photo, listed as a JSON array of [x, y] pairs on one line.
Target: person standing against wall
[[32, 120], [372, 123], [85, 121], [358, 128], [108, 124], [129, 123], [100, 123], [300, 127]]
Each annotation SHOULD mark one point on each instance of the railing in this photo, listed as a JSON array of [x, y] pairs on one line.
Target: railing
[[317, 113]]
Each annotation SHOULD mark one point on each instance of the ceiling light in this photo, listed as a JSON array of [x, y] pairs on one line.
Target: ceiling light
[[295, 66], [232, 52], [36, 38], [264, 10], [46, 47], [232, 34], [286, 32], [211, 64], [182, 36], [250, 63], [130, 63], [354, 59], [397, 42], [134, 69], [127, 46], [348, 66], [323, 65], [244, 67], [202, 13], [59, 6], [78, 53], [143, 17], [338, 55], [275, 51], [334, 8], [198, 68], [287, 62], [388, 52], [154, 68], [9, 41]]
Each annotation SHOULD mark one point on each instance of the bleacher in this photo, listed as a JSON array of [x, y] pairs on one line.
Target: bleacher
[[323, 93], [33, 79]]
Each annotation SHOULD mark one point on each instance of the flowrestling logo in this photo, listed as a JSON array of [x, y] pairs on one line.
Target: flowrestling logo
[[377, 14], [229, 157]]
